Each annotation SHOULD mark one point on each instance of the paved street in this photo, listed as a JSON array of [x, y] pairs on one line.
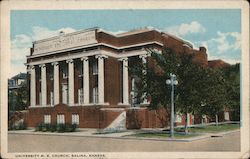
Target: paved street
[[47, 143]]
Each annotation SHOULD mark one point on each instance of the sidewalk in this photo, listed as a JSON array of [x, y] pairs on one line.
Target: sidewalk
[[121, 135]]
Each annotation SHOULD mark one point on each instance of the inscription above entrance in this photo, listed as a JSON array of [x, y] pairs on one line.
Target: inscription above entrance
[[65, 42]]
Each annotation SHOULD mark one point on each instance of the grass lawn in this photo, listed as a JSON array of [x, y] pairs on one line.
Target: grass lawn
[[164, 135], [212, 128], [193, 132]]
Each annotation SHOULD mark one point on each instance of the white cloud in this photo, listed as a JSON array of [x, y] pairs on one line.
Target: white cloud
[[42, 33], [225, 46], [21, 44], [223, 43], [185, 29]]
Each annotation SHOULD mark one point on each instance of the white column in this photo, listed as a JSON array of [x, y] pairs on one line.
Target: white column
[[32, 86], [144, 61], [43, 85], [100, 78], [71, 81], [56, 82], [85, 68], [125, 80]]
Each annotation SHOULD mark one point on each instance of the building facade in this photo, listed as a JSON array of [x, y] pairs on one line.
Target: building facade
[[83, 77]]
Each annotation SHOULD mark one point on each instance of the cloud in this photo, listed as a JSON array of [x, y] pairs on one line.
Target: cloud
[[184, 29], [227, 41], [21, 44], [225, 46]]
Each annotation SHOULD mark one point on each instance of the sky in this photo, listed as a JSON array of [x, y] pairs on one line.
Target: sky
[[219, 30]]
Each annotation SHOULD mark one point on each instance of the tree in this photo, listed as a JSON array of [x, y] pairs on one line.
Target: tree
[[232, 77], [190, 77], [153, 82], [201, 90], [18, 98], [213, 92]]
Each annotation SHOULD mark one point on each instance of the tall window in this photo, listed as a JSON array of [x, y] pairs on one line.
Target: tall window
[[47, 119], [60, 119], [65, 71], [80, 69], [51, 98], [75, 119], [134, 92], [80, 96], [95, 67], [95, 95], [65, 94]]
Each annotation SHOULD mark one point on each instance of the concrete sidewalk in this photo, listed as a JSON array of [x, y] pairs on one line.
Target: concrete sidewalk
[[95, 133]]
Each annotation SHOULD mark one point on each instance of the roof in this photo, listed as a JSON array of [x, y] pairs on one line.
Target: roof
[[218, 64], [135, 31], [20, 76]]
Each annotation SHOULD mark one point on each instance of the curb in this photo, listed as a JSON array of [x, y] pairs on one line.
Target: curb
[[207, 135]]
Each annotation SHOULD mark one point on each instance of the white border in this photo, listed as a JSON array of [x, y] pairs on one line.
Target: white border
[[6, 6]]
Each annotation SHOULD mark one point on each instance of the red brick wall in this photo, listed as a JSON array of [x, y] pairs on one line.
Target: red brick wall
[[107, 116], [96, 117], [77, 79], [49, 73], [38, 83], [145, 118], [112, 81]]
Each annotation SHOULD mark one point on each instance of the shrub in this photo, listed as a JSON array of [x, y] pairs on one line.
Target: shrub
[[53, 127], [39, 127], [22, 126], [56, 127], [19, 126], [60, 127], [74, 127]]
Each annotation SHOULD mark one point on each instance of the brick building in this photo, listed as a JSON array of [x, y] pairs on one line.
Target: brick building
[[83, 78]]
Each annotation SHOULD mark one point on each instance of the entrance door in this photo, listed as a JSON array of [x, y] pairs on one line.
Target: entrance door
[[65, 93]]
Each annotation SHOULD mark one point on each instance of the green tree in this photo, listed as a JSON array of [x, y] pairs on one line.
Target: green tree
[[200, 90], [18, 98], [153, 82], [232, 77], [214, 93], [190, 77]]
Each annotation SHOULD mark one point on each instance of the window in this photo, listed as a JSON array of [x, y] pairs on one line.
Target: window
[[65, 94], [95, 95], [47, 119], [80, 69], [75, 119], [51, 98], [80, 96], [65, 71], [60, 119], [134, 92], [95, 68]]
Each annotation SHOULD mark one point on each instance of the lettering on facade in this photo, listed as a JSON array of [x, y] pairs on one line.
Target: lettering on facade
[[65, 42]]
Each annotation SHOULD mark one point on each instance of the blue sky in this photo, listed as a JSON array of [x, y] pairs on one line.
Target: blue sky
[[218, 30]]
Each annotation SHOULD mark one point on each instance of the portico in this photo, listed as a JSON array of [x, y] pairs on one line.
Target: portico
[[69, 83]]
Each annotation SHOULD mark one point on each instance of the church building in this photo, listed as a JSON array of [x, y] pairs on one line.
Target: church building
[[83, 77]]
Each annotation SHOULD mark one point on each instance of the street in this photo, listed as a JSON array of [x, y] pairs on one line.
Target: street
[[47, 143]]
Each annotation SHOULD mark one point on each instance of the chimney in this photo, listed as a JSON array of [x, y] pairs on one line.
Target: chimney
[[203, 49]]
